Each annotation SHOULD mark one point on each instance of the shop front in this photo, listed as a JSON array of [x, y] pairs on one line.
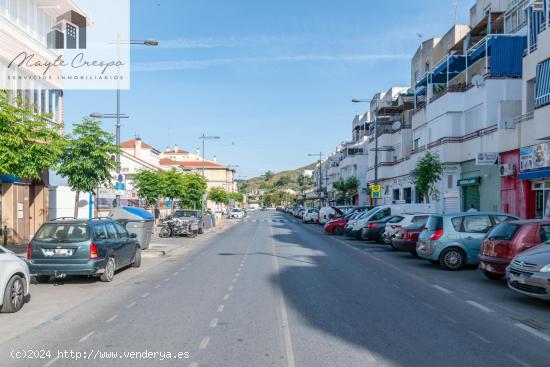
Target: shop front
[[480, 186], [535, 171], [516, 195]]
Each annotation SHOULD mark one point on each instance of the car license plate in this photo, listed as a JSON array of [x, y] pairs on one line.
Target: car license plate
[[518, 278], [58, 252]]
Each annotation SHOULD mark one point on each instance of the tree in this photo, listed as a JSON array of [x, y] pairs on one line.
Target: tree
[[194, 187], [149, 186], [173, 186], [86, 161], [428, 172], [346, 188], [304, 182], [237, 196], [29, 143], [268, 176], [218, 195], [283, 181]]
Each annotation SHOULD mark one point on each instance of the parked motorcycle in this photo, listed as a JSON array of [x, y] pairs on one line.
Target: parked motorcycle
[[175, 227]]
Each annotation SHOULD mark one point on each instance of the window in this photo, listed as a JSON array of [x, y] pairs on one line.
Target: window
[[63, 233], [544, 233], [504, 231], [381, 214], [122, 232], [542, 92], [434, 223], [395, 219], [416, 144], [420, 220], [111, 231], [502, 218], [457, 223], [450, 183], [100, 232], [476, 224]]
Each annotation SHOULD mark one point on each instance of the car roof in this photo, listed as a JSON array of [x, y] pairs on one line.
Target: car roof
[[78, 221], [475, 213]]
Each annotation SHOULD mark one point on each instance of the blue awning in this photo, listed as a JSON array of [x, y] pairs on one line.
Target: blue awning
[[421, 91], [542, 93], [535, 175], [476, 54], [422, 82], [451, 67], [9, 179]]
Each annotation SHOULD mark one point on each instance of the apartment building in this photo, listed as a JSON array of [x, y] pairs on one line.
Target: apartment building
[[25, 25]]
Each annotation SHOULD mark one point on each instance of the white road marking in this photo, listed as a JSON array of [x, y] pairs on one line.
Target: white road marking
[[533, 331], [396, 286], [213, 323], [230, 288], [51, 362], [175, 273], [411, 295], [204, 343], [131, 305], [145, 295], [480, 306], [429, 306], [450, 319], [291, 362], [157, 286], [194, 364], [518, 361], [220, 308], [385, 279], [237, 274], [112, 319], [85, 337], [485, 340], [226, 297], [167, 279], [182, 268], [234, 280], [442, 289]]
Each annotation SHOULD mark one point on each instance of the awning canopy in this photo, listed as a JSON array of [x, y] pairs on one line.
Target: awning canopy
[[422, 82], [535, 175], [450, 68]]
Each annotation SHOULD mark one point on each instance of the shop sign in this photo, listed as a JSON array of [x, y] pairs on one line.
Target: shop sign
[[486, 159], [534, 157], [451, 169], [469, 181]]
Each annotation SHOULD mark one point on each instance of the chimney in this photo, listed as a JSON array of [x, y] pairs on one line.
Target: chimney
[[137, 146], [176, 148], [215, 159], [198, 152]]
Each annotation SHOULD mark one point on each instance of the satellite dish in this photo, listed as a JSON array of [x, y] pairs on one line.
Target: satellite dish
[[396, 125], [478, 80]]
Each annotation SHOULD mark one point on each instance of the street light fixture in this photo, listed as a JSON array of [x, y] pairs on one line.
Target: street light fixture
[[320, 155], [203, 138], [118, 115]]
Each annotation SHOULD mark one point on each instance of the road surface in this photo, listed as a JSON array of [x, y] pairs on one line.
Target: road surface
[[271, 291]]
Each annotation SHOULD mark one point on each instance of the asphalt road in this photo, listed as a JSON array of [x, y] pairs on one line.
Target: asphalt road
[[274, 292]]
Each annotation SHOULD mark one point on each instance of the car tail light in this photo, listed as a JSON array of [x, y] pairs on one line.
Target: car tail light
[[29, 251], [406, 235], [372, 225], [93, 251], [437, 234]]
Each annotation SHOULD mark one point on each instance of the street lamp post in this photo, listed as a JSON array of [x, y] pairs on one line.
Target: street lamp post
[[230, 167], [375, 113], [118, 115], [320, 176]]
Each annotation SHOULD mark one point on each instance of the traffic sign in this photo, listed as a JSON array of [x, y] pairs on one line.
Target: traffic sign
[[376, 191]]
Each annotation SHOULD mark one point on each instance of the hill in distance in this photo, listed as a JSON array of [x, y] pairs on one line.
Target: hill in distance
[[263, 182]]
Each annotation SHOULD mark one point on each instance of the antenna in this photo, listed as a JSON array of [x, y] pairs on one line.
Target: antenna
[[456, 4]]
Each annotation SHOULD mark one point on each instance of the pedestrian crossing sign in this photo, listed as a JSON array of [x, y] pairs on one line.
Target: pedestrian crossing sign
[[376, 191]]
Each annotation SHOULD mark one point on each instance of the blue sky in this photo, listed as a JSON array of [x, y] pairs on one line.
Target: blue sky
[[274, 79]]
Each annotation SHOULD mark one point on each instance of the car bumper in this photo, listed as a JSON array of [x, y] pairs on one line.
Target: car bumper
[[404, 245], [427, 250], [90, 268], [535, 285], [350, 232], [371, 235], [493, 264]]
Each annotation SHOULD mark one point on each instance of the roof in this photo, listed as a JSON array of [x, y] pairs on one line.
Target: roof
[[130, 144], [194, 164], [173, 151]]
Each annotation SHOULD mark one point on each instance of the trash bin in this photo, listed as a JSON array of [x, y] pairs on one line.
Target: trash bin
[[136, 220]]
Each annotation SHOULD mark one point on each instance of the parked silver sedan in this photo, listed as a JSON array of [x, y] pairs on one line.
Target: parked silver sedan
[[529, 272]]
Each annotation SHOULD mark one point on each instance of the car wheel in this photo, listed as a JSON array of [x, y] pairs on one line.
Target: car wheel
[[452, 259], [14, 296], [137, 258], [165, 232], [42, 278], [201, 231], [192, 234], [338, 231], [109, 273], [493, 276]]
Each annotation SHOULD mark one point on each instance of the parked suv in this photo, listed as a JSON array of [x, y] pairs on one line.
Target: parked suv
[[14, 281], [507, 240], [454, 240], [96, 247]]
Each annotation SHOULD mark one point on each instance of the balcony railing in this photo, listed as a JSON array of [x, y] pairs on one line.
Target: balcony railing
[[461, 139]]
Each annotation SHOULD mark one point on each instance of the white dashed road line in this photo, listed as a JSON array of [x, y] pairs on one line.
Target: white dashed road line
[[518, 361], [145, 295], [226, 297], [86, 337], [480, 306], [442, 289], [485, 340], [234, 280], [51, 362], [533, 331], [450, 319], [230, 288], [220, 308], [429, 306], [213, 323], [112, 319], [157, 286], [131, 305], [204, 343]]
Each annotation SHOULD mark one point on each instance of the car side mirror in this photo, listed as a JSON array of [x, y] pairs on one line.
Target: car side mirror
[[133, 235]]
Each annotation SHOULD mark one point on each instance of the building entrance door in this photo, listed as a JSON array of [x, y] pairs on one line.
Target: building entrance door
[[471, 197], [22, 214]]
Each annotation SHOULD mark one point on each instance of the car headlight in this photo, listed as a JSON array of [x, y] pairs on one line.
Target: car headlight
[[545, 269]]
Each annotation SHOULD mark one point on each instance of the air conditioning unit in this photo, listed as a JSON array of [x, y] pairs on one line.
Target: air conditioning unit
[[507, 170]]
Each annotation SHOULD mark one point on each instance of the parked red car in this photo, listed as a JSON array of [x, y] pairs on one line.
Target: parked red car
[[336, 225], [508, 239], [406, 238]]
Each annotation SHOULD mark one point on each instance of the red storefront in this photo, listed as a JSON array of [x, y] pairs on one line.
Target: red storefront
[[516, 196]]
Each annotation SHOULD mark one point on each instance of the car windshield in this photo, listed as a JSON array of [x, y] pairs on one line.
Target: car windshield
[[236, 210], [434, 223], [367, 213], [186, 213], [63, 233], [504, 231]]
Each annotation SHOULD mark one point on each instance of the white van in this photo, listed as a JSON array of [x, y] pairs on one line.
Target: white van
[[383, 211]]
